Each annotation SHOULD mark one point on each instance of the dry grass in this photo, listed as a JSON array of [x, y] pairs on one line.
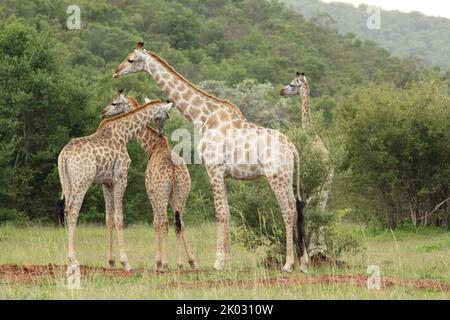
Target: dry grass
[[401, 256]]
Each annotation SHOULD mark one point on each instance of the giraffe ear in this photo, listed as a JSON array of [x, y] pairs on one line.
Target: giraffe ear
[[140, 55]]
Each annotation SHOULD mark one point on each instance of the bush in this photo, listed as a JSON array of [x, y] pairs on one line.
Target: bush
[[17, 218], [259, 226], [398, 150]]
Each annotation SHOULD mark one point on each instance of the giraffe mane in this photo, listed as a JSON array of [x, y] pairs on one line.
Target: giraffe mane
[[106, 122], [135, 104], [154, 131], [306, 84], [175, 73]]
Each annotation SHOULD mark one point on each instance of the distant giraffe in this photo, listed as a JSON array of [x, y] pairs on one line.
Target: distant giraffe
[[225, 136], [300, 87], [166, 179], [102, 158]]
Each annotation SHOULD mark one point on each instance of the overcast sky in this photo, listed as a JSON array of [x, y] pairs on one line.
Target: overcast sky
[[428, 7]]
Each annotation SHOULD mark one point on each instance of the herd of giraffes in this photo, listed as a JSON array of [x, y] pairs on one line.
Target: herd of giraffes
[[102, 158]]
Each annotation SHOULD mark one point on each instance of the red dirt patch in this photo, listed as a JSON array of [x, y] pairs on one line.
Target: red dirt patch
[[353, 280], [37, 273], [32, 273]]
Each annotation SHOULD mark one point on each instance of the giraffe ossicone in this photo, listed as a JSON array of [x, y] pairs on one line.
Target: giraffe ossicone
[[211, 114]]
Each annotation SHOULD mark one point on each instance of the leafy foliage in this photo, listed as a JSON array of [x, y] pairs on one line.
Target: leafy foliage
[[398, 145], [54, 81]]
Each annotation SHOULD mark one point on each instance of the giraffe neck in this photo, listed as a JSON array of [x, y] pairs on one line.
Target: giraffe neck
[[196, 105], [306, 116], [125, 127], [151, 142], [148, 137]]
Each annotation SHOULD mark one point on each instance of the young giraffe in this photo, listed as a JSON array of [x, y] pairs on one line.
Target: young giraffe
[[166, 179], [102, 158], [300, 87], [221, 123]]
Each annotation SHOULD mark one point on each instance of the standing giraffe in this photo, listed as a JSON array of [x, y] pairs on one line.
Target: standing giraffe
[[102, 158], [225, 134], [300, 87], [166, 179]]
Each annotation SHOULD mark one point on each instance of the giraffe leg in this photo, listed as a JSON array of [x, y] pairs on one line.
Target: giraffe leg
[[178, 224], [108, 193], [282, 188], [180, 194], [191, 258], [326, 190], [119, 190], [158, 192], [72, 211], [156, 226], [227, 230], [159, 206], [181, 240], [164, 248], [222, 212]]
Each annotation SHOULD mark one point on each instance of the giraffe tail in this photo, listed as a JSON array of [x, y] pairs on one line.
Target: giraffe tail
[[300, 204], [60, 205]]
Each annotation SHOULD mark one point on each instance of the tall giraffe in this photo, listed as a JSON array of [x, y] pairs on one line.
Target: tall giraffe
[[102, 158], [225, 134], [299, 86], [166, 179]]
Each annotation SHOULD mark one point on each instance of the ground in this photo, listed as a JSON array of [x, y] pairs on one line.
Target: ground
[[413, 265]]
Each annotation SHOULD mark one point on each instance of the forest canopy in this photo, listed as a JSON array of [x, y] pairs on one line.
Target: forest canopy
[[55, 80]]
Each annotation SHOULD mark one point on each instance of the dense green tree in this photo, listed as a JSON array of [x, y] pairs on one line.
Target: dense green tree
[[398, 145], [54, 81], [41, 106]]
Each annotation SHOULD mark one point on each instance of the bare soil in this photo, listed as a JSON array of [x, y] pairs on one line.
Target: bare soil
[[37, 273]]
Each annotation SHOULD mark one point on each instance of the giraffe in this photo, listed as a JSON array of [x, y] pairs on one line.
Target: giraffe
[[225, 134], [102, 158], [299, 86], [166, 179]]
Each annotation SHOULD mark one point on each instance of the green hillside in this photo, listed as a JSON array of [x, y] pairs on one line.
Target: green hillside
[[54, 81], [403, 34]]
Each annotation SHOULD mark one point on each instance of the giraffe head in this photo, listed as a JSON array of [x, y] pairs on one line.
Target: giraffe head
[[119, 105], [134, 62], [296, 86], [122, 104], [162, 116]]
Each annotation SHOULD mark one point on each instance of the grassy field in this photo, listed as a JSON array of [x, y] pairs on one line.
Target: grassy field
[[401, 256]]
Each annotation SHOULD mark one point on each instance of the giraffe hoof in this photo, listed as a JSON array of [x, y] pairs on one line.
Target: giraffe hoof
[[126, 266], [180, 267], [303, 268], [218, 265], [193, 264], [161, 267], [287, 268], [112, 264], [72, 269]]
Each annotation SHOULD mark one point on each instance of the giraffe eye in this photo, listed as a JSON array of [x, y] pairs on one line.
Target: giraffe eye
[[130, 60], [114, 104]]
